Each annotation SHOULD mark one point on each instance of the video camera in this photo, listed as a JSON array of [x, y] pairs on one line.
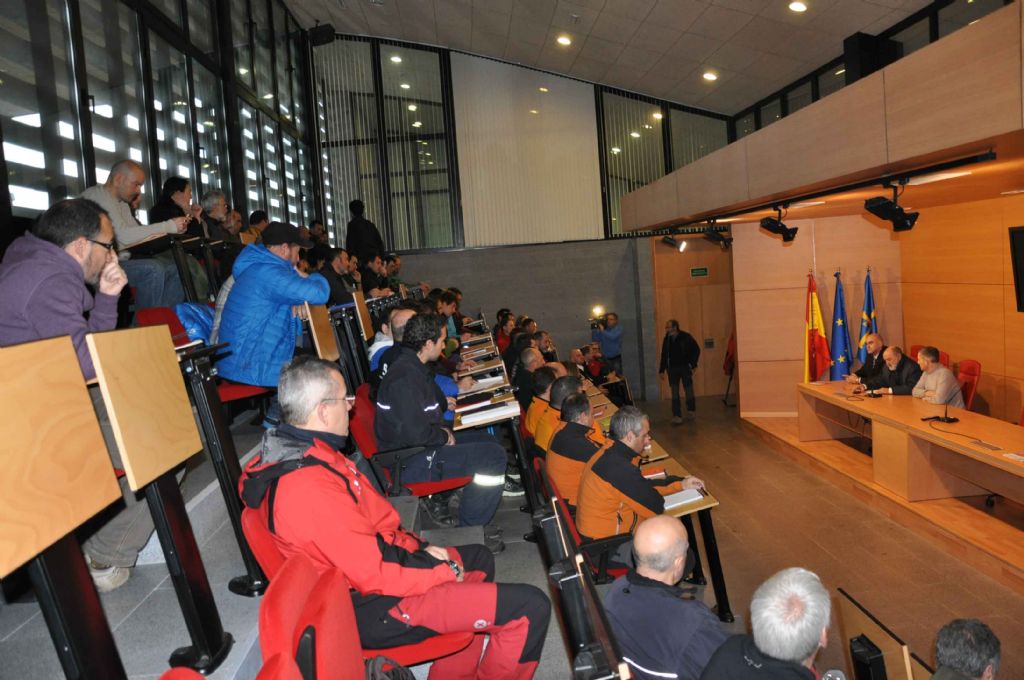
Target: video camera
[[599, 318]]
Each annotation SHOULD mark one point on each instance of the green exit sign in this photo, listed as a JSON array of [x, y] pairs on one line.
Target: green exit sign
[[697, 272]]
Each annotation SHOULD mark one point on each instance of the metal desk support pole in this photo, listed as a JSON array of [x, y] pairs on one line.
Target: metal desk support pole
[[73, 613], [715, 566], [203, 390], [210, 644], [179, 255], [524, 469]]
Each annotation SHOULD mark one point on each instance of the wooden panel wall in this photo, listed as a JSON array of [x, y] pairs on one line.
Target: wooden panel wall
[[770, 279], [703, 306], [958, 294]]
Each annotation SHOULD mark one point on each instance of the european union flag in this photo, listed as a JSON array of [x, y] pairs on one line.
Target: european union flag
[[868, 322], [842, 352]]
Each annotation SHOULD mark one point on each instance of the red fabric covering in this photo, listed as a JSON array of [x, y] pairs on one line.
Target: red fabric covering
[[280, 667], [283, 604], [261, 541], [328, 610], [232, 391], [969, 375], [163, 316], [181, 674], [574, 532]]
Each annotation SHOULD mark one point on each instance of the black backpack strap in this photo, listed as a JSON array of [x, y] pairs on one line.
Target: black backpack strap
[[263, 483]]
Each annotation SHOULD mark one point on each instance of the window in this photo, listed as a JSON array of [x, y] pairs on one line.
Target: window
[[745, 125], [799, 97], [292, 190], [41, 138], [273, 181], [170, 102], [171, 8], [297, 49], [307, 201], [116, 97], [253, 169], [914, 37], [962, 13], [633, 148], [832, 80], [695, 136], [263, 35], [202, 26], [283, 78], [771, 112], [240, 38], [214, 170]]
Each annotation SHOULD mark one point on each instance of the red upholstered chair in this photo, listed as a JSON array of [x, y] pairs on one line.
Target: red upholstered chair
[[969, 375], [163, 316], [261, 542], [944, 358], [914, 349], [280, 667], [361, 426], [282, 606], [181, 674]]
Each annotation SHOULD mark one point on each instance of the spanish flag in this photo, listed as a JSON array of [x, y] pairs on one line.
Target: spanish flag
[[816, 355]]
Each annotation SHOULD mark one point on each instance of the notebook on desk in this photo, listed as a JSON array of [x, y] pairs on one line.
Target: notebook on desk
[[681, 498], [491, 414], [484, 384]]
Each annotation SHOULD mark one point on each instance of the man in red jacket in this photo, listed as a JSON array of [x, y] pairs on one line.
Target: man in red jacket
[[404, 590]]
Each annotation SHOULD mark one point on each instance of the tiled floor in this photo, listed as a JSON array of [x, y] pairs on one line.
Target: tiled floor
[[773, 515]]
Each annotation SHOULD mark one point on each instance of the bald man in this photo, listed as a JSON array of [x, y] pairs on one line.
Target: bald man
[[660, 634], [873, 365], [899, 375]]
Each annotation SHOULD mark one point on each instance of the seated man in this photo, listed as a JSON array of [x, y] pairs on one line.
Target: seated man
[[410, 408], [522, 377], [336, 273], [546, 346], [43, 294], [660, 634], [258, 221], [614, 495], [260, 318], [937, 384], [966, 649], [550, 421], [789, 616], [899, 374], [573, 447], [155, 280], [543, 378], [374, 278], [873, 365], [404, 590]]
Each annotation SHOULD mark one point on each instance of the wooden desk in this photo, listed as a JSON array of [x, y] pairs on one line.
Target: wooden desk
[[915, 459]]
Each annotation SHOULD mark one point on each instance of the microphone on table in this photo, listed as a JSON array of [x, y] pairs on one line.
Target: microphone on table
[[946, 418]]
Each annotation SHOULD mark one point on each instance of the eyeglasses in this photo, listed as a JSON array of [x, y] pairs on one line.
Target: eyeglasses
[[111, 247], [351, 399]]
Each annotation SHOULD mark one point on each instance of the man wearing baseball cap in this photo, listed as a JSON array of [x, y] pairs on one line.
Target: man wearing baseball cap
[[258, 319]]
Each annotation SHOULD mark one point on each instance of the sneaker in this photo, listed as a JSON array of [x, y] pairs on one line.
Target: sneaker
[[437, 510], [493, 532], [676, 420], [495, 545], [512, 471], [512, 488], [107, 577]]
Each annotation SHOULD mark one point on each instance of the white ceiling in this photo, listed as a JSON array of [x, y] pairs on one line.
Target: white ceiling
[[654, 47]]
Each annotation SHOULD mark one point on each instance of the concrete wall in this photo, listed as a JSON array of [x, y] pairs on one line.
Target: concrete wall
[[558, 284]]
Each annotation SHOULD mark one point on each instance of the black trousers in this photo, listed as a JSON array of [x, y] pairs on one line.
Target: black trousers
[[684, 375]]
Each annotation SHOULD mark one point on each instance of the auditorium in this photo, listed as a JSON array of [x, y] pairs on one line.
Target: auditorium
[[512, 339]]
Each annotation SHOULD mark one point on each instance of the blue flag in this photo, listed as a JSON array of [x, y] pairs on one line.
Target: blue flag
[[868, 322], [842, 348]]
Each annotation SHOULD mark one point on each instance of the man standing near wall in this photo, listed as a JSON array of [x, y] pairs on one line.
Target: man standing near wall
[[679, 356], [609, 334]]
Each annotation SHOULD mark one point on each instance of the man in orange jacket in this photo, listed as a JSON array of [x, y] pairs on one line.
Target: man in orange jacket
[[404, 589]]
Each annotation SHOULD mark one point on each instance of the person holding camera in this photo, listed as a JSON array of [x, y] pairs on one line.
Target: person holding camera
[[607, 331], [679, 356]]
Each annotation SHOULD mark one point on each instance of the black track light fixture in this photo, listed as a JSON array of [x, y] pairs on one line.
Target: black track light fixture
[[775, 225], [671, 241], [717, 237], [889, 209]]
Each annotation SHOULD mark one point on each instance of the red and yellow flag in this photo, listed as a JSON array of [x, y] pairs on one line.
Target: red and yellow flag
[[816, 354]]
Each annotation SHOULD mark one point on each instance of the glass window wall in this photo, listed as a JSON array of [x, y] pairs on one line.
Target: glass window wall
[[173, 113], [695, 136], [214, 172], [799, 97], [633, 147]]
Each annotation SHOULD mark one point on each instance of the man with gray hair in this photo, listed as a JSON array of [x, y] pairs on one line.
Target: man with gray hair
[[614, 494], [789, 617], [966, 649], [660, 634], [530, 359], [937, 384]]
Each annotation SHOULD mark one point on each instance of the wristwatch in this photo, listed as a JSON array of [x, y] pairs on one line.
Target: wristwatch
[[456, 569]]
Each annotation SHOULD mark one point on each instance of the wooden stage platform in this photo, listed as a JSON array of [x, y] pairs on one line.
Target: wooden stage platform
[[989, 539]]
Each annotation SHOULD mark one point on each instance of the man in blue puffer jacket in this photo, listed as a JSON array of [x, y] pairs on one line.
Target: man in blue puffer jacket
[[258, 319]]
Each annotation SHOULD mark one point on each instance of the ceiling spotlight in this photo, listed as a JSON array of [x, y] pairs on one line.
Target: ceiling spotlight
[[890, 211], [534, 111], [710, 75], [542, 89], [616, 150], [634, 134], [717, 237], [840, 72], [417, 124], [412, 107], [671, 241], [396, 59], [405, 86], [564, 40], [657, 116], [798, 6], [775, 225]]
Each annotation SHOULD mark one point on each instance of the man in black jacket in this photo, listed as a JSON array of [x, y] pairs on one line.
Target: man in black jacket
[[374, 277], [898, 376], [410, 408], [872, 367], [334, 271], [789, 617], [679, 356], [362, 236]]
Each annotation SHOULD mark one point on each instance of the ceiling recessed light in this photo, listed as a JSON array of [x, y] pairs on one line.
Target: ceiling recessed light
[[798, 6], [710, 75], [534, 111], [405, 86], [564, 40], [412, 107], [616, 149], [243, 71], [658, 116], [543, 89], [840, 71], [396, 59], [268, 96], [417, 124], [634, 134], [937, 177], [647, 126]]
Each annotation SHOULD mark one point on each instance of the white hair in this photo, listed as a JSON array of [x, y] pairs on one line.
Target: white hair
[[305, 382], [788, 613]]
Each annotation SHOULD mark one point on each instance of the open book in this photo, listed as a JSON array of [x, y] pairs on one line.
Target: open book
[[681, 498]]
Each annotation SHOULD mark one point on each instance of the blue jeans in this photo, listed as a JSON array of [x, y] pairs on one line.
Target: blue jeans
[[156, 282], [474, 454]]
